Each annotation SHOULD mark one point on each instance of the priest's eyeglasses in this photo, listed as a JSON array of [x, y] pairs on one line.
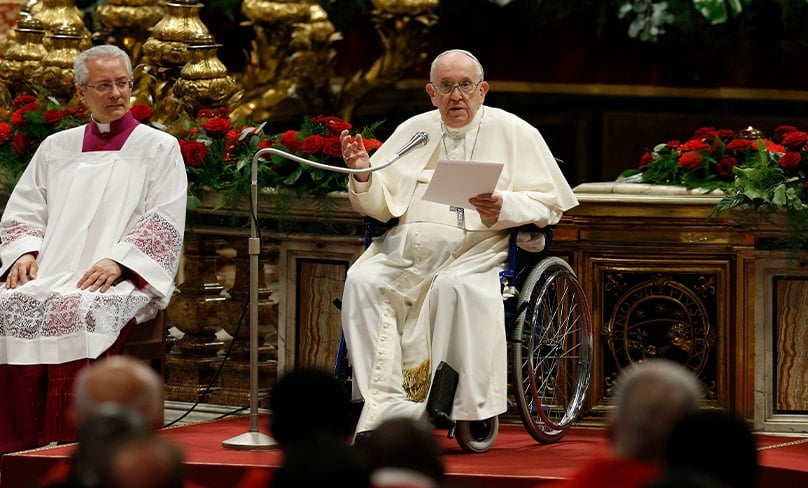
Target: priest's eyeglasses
[[445, 88], [106, 86]]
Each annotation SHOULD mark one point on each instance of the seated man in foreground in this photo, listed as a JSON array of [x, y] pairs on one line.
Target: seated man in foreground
[[90, 242]]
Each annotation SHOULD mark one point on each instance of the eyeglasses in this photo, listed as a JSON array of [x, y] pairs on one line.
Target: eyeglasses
[[106, 86], [445, 88]]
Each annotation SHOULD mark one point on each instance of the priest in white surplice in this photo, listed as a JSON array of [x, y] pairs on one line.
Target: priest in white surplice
[[428, 291], [90, 242]]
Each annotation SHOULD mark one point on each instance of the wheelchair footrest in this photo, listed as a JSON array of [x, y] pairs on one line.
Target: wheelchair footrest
[[441, 397]]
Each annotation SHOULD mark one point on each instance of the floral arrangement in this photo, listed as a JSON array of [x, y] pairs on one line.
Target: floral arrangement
[[24, 124], [769, 175], [217, 152]]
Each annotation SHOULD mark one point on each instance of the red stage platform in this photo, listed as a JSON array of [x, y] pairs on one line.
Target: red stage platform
[[514, 461]]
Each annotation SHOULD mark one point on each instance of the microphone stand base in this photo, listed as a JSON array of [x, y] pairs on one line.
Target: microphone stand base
[[250, 441]]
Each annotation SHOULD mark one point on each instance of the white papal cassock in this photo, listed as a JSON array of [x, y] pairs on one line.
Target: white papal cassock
[[74, 208], [428, 290]]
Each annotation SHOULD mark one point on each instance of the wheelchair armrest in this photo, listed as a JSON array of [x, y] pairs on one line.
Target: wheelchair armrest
[[373, 225]]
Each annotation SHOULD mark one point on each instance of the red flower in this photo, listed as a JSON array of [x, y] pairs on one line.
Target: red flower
[[231, 141], [725, 134], [738, 145], [371, 144], [217, 127], [794, 140], [23, 100], [335, 124], [19, 144], [193, 152], [673, 144], [646, 159], [312, 144], [18, 117], [725, 166], [772, 146], [704, 133], [289, 140], [5, 132], [693, 145], [52, 117], [332, 147], [782, 130], [790, 161], [142, 112], [690, 160]]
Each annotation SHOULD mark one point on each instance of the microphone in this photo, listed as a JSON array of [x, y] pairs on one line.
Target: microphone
[[420, 138]]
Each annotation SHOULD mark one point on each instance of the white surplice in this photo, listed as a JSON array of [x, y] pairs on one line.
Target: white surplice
[[74, 208], [428, 290]]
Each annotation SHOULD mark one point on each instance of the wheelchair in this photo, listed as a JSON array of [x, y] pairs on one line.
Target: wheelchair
[[550, 345]]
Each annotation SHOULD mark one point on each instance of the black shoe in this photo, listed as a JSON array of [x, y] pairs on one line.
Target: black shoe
[[361, 438]]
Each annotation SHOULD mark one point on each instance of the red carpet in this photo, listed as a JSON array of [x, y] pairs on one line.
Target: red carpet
[[515, 460]]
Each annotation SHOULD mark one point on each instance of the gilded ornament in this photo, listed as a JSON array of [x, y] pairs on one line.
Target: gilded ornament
[[278, 12], [204, 80], [168, 43], [58, 13], [24, 56], [127, 24], [406, 7], [56, 71]]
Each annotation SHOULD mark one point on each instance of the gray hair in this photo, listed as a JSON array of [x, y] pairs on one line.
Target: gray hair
[[80, 71], [477, 64], [649, 397]]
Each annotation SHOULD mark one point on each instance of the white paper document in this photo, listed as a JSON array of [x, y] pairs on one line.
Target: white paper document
[[454, 181]]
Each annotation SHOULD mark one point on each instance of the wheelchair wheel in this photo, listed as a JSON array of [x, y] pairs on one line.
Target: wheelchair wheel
[[551, 350], [476, 436]]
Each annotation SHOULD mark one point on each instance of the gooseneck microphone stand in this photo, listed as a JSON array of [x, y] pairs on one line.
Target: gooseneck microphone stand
[[253, 439]]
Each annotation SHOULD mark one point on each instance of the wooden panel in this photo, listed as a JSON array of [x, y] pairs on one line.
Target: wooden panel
[[311, 273], [318, 318], [791, 345]]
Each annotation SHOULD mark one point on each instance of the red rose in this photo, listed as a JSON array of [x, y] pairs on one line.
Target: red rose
[[217, 127], [18, 117], [332, 147], [312, 144], [782, 130], [693, 145], [52, 117], [672, 144], [265, 144], [790, 161], [725, 134], [142, 112], [19, 144], [290, 141], [23, 100], [724, 167], [334, 124], [794, 140], [772, 146], [371, 145], [704, 133], [646, 159], [5, 132], [193, 152], [738, 145], [690, 160]]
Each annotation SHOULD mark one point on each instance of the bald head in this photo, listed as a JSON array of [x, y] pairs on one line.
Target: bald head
[[650, 397], [123, 381]]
